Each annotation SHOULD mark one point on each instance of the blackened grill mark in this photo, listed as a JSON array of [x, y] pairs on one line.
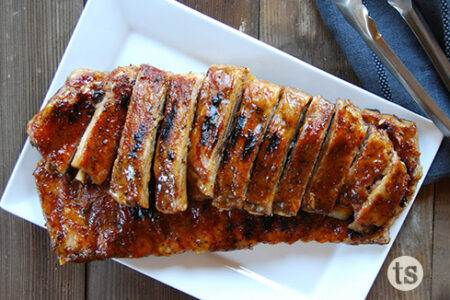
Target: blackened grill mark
[[249, 145], [125, 100], [168, 123], [97, 95], [217, 99], [240, 123], [170, 155], [274, 141], [267, 223], [225, 157], [248, 229], [210, 123], [137, 213], [138, 138]]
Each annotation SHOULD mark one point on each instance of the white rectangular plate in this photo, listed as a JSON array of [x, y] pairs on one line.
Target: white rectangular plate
[[173, 37]]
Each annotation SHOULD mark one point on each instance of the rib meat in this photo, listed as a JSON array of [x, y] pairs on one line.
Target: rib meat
[[85, 224], [274, 150], [56, 130], [367, 169], [218, 100], [300, 164], [346, 135], [172, 146], [132, 168], [258, 102], [352, 171], [97, 150], [385, 198]]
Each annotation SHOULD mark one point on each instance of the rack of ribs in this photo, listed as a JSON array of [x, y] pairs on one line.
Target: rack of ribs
[[166, 163]]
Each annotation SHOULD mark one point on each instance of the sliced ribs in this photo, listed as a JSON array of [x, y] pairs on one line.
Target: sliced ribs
[[217, 103], [173, 143], [58, 127], [132, 168], [347, 133], [98, 146], [258, 102], [384, 200], [304, 153], [366, 170], [274, 150]]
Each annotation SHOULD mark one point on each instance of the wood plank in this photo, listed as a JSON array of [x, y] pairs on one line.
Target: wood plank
[[240, 14], [33, 36], [441, 241], [297, 28], [109, 280], [415, 239]]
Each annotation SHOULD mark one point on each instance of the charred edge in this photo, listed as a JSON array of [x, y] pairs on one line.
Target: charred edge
[[355, 235], [138, 139], [404, 201], [168, 123], [77, 110], [249, 145]]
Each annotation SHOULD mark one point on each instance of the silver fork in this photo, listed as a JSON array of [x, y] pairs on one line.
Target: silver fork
[[423, 33], [357, 15]]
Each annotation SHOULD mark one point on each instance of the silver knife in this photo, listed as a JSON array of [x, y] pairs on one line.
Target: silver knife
[[423, 33], [357, 15]]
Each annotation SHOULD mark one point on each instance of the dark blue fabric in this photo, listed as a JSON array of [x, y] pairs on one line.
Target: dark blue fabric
[[397, 34]]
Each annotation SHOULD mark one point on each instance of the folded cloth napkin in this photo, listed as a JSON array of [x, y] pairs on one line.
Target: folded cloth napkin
[[377, 79]]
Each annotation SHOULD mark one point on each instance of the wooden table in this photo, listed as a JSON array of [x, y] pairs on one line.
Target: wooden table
[[33, 36]]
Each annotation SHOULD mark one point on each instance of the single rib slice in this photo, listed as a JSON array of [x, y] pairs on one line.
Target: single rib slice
[[218, 100], [385, 198], [304, 153], [85, 224], [258, 102], [367, 169], [404, 136], [132, 168], [57, 128], [172, 146], [346, 135], [97, 150], [274, 149]]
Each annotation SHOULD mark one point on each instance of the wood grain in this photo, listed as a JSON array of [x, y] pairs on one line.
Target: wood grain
[[33, 36], [297, 28], [441, 241]]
